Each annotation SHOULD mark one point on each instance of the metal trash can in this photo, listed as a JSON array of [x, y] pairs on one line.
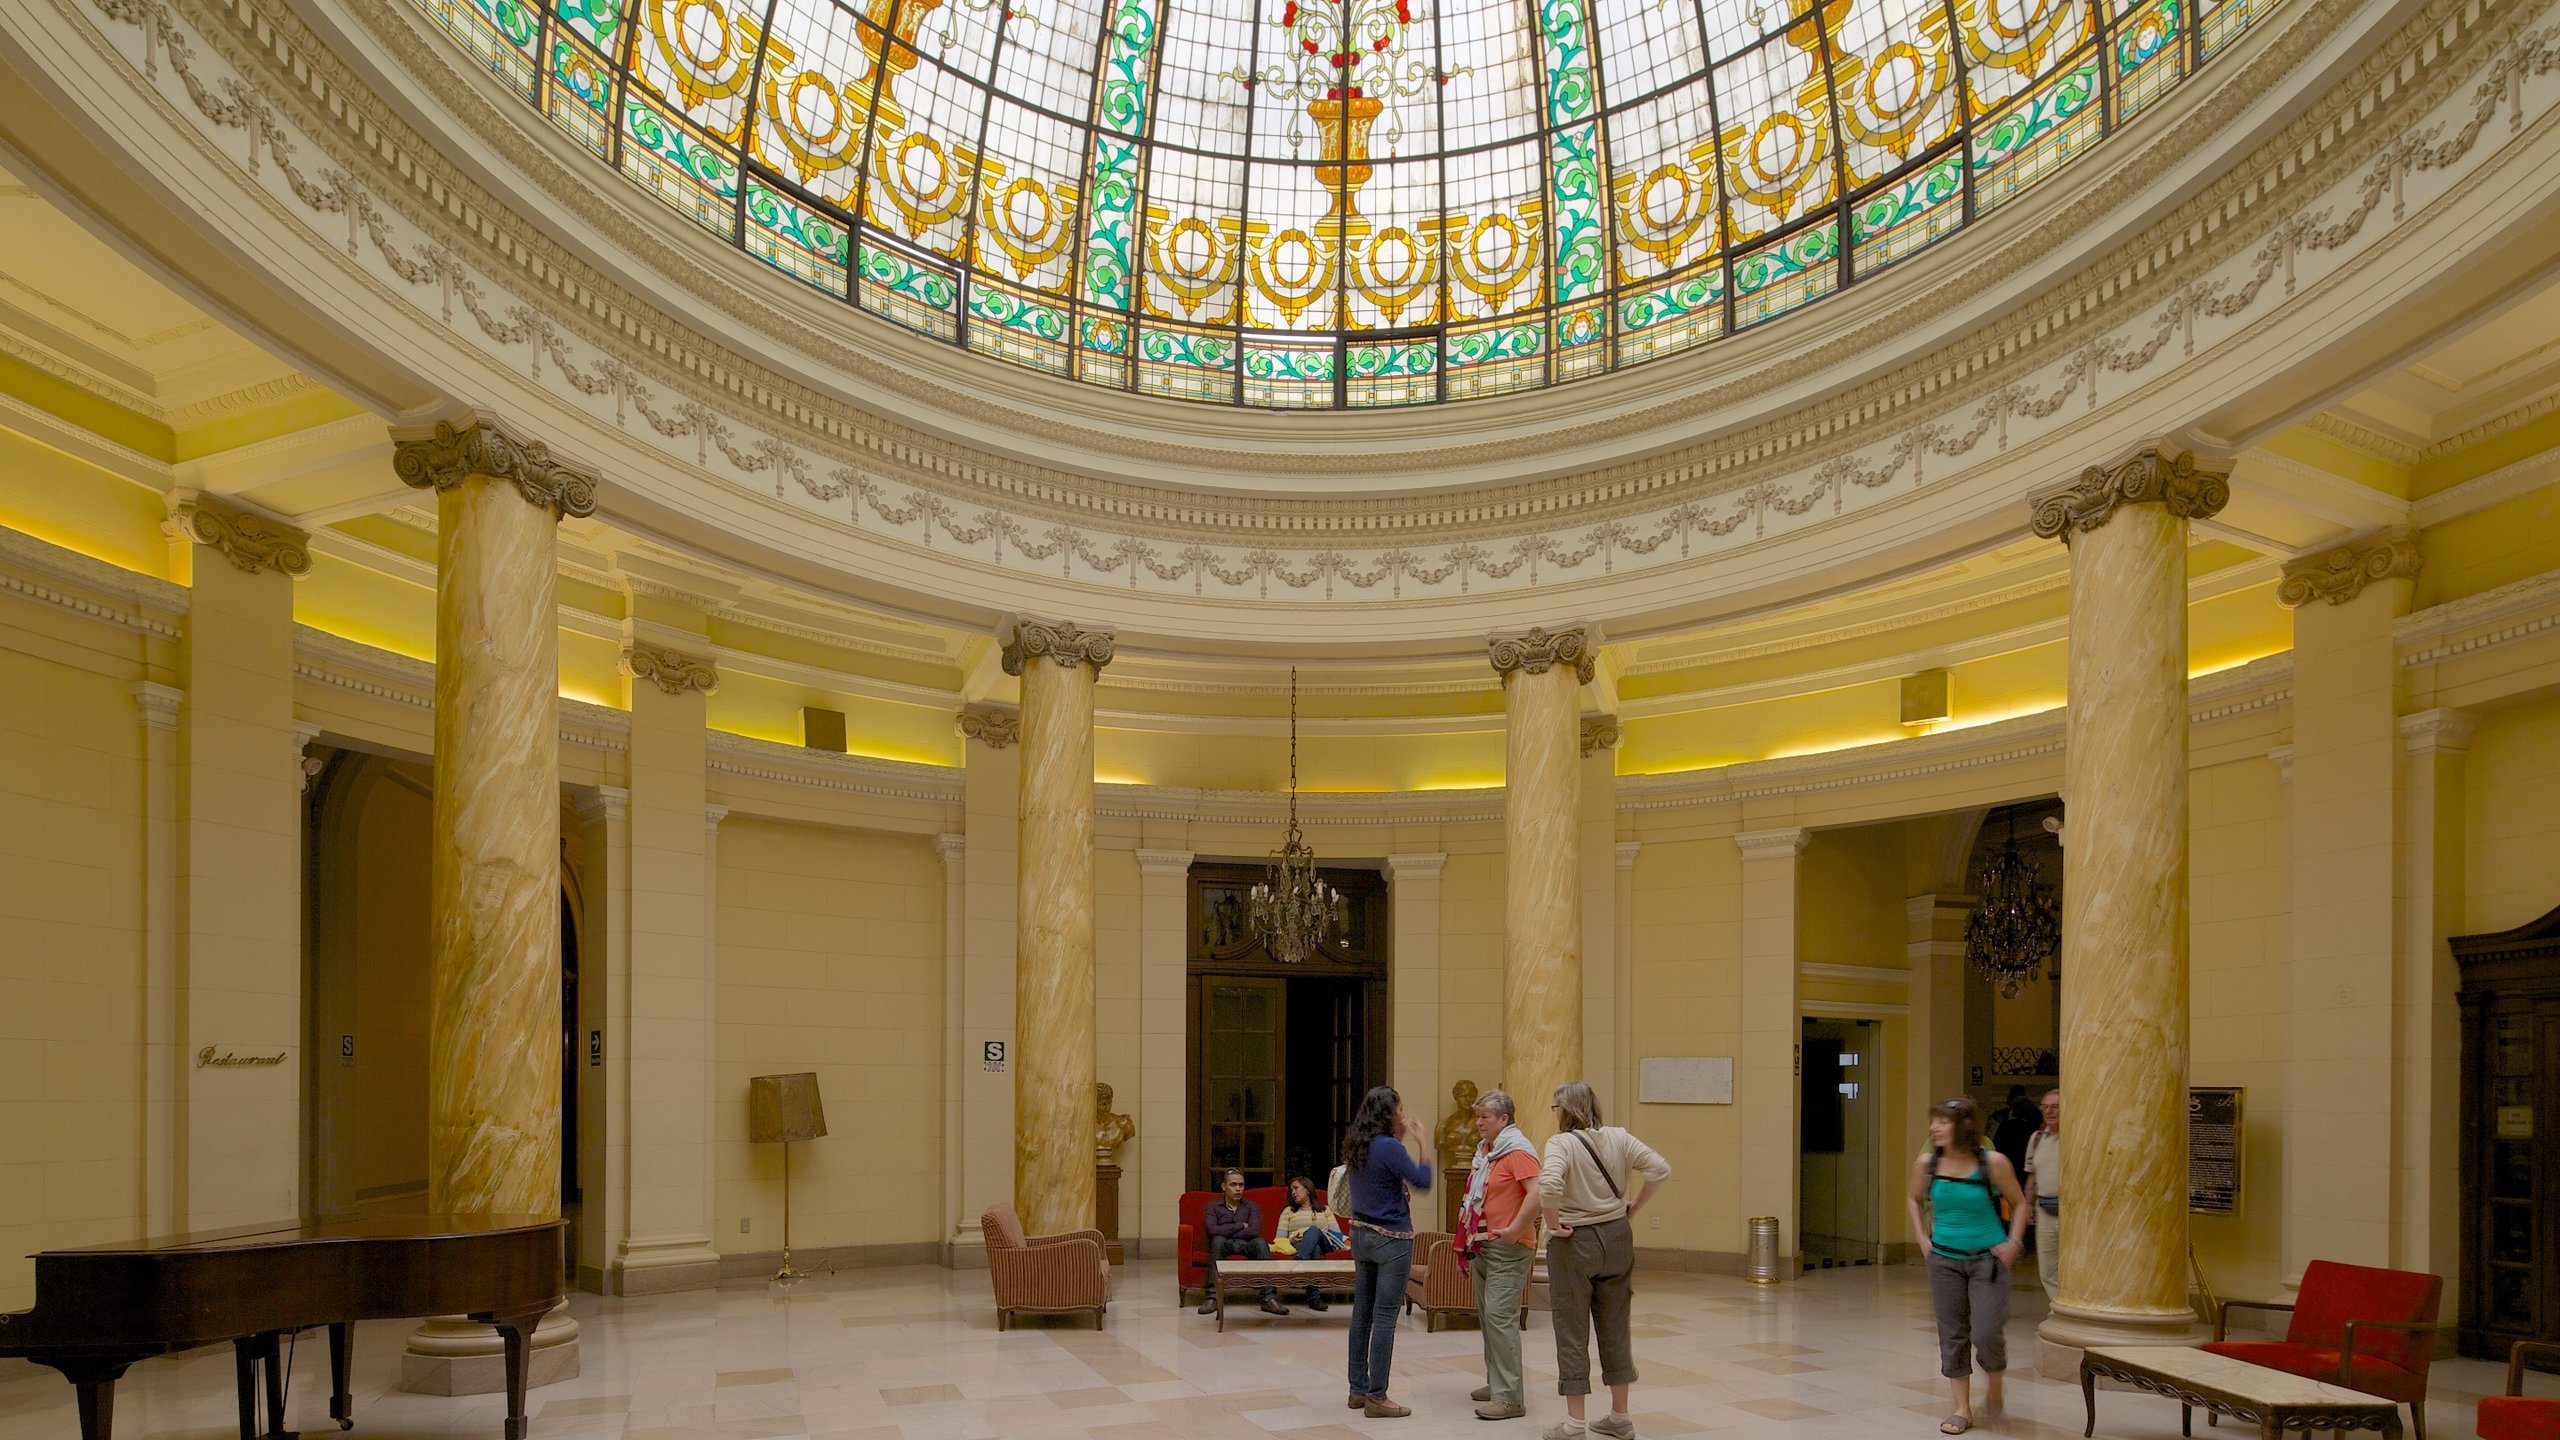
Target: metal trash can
[[1760, 1255]]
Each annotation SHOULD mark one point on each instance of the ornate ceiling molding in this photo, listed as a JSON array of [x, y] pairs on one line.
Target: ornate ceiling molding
[[2340, 575], [2398, 136]]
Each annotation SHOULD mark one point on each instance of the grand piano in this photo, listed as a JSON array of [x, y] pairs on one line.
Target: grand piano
[[101, 1308]]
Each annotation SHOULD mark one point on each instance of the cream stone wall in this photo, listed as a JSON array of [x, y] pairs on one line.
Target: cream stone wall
[[1470, 980], [831, 960], [1688, 990], [2237, 980], [71, 976], [2513, 798]]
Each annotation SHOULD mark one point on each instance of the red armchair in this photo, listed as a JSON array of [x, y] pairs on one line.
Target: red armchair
[[2516, 1415], [2353, 1325], [1191, 1234], [1044, 1274]]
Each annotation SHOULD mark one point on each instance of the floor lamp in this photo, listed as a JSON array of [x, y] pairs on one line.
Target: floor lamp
[[781, 1109]]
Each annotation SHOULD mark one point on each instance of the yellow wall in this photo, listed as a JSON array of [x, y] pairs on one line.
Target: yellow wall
[[2512, 782], [831, 960], [1470, 982], [71, 867], [2240, 894], [1688, 989]]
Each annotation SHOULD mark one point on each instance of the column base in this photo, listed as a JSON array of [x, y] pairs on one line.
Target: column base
[[2069, 1330], [450, 1355], [655, 1267], [966, 1249]]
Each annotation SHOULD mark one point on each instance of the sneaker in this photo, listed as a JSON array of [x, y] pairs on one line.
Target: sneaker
[[1271, 1304], [1482, 1394], [1617, 1425], [1382, 1408], [1565, 1429], [1501, 1412]]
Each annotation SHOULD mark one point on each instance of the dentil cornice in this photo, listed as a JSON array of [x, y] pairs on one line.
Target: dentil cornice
[[2339, 575]]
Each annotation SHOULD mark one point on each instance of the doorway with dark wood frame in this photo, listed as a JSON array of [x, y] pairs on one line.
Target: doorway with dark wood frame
[[1280, 1054]]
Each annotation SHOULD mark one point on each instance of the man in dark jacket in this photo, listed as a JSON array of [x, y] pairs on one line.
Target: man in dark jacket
[[1235, 1228]]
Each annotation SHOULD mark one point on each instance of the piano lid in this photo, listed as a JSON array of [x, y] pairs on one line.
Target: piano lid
[[368, 1227]]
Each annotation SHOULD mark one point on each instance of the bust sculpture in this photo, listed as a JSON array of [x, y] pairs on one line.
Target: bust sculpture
[[1458, 1132], [1110, 1131]]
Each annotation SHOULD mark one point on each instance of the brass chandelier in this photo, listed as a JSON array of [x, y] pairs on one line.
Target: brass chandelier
[[2016, 930], [1291, 909]]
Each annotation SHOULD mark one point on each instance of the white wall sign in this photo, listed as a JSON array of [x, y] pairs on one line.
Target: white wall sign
[[1685, 1080]]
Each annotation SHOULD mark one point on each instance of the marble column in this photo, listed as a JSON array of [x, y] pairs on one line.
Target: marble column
[[1053, 1071], [2345, 857], [1542, 674], [2124, 924], [493, 1046]]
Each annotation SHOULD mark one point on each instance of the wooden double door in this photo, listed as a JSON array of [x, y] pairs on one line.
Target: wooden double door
[[1280, 1054], [2510, 1000]]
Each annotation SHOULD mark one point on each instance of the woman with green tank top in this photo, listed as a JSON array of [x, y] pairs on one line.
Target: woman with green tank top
[[1964, 1185]]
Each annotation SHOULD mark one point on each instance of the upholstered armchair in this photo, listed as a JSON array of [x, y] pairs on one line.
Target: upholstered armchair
[[1044, 1274], [2516, 1415], [2353, 1325]]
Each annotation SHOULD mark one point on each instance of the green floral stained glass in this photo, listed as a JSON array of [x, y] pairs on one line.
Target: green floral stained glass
[[1234, 202]]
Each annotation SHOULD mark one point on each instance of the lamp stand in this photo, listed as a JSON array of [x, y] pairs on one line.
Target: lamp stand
[[786, 1276]]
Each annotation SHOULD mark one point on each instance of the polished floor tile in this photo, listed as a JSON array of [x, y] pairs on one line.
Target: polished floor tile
[[913, 1354]]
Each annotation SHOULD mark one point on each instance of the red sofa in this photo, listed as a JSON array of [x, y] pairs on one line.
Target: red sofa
[[2516, 1415], [1191, 1236], [2353, 1325]]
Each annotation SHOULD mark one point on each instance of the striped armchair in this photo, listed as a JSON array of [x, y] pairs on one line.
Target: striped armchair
[[1044, 1274]]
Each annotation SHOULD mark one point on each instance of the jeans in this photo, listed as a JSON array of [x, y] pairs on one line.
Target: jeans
[[1501, 1272], [1380, 1271], [1220, 1247], [1590, 1286], [1972, 1301]]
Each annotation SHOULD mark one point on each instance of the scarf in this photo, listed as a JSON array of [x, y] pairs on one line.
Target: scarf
[[1471, 1228]]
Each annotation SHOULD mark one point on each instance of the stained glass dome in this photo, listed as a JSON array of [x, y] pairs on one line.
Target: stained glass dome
[[1336, 203]]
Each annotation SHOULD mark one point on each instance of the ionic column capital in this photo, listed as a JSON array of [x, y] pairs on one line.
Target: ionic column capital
[[450, 452], [994, 726], [1062, 641], [1537, 650], [2340, 574], [672, 670], [251, 542], [1600, 732], [2155, 474]]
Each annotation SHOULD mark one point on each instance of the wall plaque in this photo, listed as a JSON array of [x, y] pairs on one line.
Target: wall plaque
[[2213, 1150], [1685, 1080]]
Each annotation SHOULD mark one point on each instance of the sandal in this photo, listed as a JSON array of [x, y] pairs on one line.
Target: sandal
[[1955, 1425]]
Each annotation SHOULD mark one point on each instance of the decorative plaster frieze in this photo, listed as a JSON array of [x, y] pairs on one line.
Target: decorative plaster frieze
[[1600, 732], [251, 542], [450, 453], [995, 726], [2439, 731], [2399, 133], [1785, 844], [673, 671], [1061, 641], [2155, 473], [1537, 650], [2339, 575]]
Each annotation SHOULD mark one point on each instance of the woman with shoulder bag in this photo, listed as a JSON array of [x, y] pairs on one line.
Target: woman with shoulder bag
[[1975, 1228], [1591, 1253]]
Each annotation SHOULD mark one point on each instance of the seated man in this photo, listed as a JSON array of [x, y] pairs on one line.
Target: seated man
[[1235, 1228]]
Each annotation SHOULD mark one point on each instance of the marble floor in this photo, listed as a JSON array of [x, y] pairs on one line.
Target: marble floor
[[913, 1354]]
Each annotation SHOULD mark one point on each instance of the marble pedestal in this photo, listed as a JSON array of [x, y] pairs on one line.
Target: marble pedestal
[[450, 1355]]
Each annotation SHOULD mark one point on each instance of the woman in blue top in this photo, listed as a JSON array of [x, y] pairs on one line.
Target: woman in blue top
[[1379, 1171], [1970, 1251]]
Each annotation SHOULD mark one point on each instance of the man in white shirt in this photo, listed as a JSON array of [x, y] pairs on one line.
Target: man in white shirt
[[2044, 1182]]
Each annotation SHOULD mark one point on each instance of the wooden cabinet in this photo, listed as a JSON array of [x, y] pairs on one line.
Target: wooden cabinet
[[2510, 1000]]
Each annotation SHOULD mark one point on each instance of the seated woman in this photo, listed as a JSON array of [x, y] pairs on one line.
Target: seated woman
[[1311, 1231]]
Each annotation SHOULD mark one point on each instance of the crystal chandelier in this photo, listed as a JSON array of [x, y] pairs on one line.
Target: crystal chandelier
[[2017, 927], [1291, 909]]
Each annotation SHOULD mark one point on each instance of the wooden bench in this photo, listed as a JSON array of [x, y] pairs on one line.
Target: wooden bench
[[2273, 1400], [1278, 1275]]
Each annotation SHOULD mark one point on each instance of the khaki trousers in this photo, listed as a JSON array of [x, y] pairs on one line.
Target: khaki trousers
[[1501, 1274]]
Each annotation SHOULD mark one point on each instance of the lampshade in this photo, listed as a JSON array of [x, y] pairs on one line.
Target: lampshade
[[784, 1107]]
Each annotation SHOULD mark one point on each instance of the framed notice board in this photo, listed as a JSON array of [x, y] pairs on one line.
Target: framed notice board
[[2213, 1149]]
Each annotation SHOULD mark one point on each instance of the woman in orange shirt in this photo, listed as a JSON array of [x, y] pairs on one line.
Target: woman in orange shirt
[[1498, 1226]]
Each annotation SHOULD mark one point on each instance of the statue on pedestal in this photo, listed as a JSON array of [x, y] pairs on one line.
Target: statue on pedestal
[[1458, 1133], [1110, 1131]]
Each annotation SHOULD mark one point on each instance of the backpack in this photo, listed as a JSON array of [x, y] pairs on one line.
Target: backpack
[[1981, 1176]]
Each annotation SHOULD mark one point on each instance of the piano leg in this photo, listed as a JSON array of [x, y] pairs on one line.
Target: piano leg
[[271, 1350], [341, 1347], [94, 1380], [244, 1367], [517, 1331]]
